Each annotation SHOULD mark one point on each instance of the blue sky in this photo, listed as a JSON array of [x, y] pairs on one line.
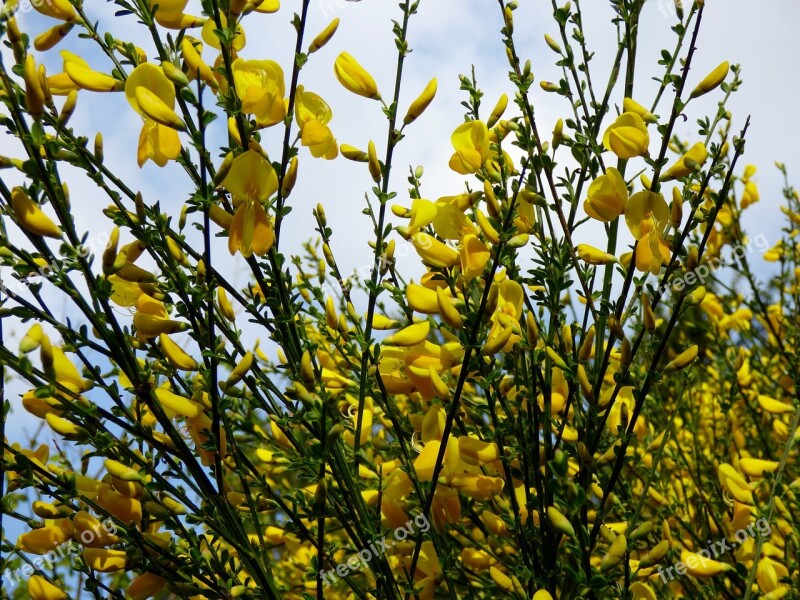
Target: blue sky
[[448, 37]]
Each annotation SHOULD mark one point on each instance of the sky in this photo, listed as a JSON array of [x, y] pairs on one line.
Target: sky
[[448, 38]]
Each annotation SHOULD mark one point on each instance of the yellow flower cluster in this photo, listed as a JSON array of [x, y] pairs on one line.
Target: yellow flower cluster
[[569, 420]]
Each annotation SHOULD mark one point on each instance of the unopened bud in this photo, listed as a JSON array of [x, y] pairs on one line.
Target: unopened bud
[[324, 36], [99, 155], [374, 163], [174, 74], [552, 43], [68, 108]]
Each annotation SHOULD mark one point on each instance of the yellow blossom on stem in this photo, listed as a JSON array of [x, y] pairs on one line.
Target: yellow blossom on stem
[[471, 142], [607, 196], [41, 589], [211, 38], [56, 9], [260, 85], [151, 319], [648, 216], [313, 114], [251, 180], [627, 137]]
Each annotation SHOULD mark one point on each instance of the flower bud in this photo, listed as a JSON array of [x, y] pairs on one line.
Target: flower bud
[[497, 111], [324, 36], [558, 133], [508, 17], [354, 154], [320, 214], [290, 178], [34, 94], [648, 317], [594, 256], [711, 81], [174, 74], [374, 163], [559, 521], [421, 103], [354, 77], [683, 360], [48, 39], [68, 108], [583, 380], [587, 345], [98, 146], [552, 43], [630, 105]]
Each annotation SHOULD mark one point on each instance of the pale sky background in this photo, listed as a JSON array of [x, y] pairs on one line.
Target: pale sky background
[[448, 37]]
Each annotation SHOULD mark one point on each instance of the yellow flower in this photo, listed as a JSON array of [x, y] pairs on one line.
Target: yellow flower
[[434, 252], [128, 510], [627, 137], [103, 560], [151, 94], [354, 77], [210, 38], [769, 573], [31, 217], [648, 216], [151, 318], [700, 566], [199, 427], [471, 142], [44, 539], [750, 195], [157, 143], [687, 164], [651, 252], [261, 87], [86, 78], [268, 6], [41, 589], [474, 256], [607, 196], [643, 206], [428, 572], [320, 140], [251, 180], [170, 14], [145, 586], [57, 9], [477, 486], [313, 114]]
